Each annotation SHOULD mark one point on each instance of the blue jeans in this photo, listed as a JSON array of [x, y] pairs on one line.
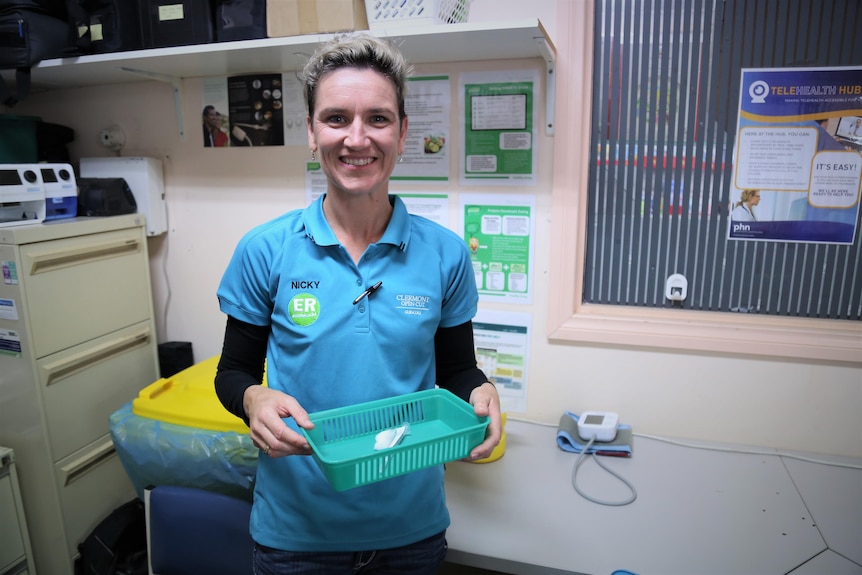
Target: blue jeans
[[422, 558]]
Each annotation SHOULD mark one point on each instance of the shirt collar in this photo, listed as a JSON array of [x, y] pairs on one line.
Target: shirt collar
[[397, 232]]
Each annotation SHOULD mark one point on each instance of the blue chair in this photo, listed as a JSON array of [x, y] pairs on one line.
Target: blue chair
[[192, 531]]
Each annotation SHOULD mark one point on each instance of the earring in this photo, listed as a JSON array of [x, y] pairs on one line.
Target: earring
[[400, 158], [313, 156]]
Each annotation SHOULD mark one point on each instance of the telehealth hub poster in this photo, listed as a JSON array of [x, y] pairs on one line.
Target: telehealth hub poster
[[798, 155]]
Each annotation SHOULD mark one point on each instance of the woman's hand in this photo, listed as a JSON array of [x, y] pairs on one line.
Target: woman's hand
[[265, 409], [486, 401]]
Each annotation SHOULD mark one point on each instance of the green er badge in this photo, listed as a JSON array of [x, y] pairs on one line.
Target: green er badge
[[304, 309]]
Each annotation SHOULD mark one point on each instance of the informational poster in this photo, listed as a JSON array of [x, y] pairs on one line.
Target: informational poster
[[797, 170], [294, 111], [499, 231], [215, 122], [502, 346], [434, 207], [253, 110], [426, 151], [498, 113], [315, 181]]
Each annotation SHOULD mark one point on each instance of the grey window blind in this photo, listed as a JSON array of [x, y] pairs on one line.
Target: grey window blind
[[665, 98]]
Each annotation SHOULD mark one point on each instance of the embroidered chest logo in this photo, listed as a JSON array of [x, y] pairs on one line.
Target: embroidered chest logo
[[412, 304], [304, 309]]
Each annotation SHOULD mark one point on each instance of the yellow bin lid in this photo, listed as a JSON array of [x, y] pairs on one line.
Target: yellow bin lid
[[188, 398]]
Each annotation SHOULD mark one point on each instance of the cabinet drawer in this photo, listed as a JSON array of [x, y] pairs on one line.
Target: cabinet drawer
[[11, 541], [82, 287], [84, 385], [91, 484]]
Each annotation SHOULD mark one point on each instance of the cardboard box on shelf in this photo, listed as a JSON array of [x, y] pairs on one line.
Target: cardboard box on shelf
[[297, 17]]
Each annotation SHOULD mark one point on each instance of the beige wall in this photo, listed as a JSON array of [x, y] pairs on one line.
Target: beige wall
[[215, 195]]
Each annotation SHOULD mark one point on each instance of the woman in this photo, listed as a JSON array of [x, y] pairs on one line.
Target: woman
[[214, 136], [349, 300], [744, 209]]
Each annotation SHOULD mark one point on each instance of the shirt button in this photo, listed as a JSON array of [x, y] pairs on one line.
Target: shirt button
[[362, 308], [359, 281]]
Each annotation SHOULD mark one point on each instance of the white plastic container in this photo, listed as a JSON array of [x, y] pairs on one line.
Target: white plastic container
[[388, 15], [145, 177]]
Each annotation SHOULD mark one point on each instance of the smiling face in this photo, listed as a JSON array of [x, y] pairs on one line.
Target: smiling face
[[213, 119], [356, 131]]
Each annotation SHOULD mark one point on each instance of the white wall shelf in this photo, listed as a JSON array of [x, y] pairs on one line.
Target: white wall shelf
[[443, 43], [420, 44]]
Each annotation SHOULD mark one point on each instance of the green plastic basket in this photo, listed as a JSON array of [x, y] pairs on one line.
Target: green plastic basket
[[443, 428]]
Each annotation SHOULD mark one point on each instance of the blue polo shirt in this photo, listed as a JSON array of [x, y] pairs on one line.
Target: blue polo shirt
[[293, 275]]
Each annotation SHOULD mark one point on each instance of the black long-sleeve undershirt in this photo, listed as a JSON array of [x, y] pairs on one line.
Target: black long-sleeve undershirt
[[242, 361], [241, 364]]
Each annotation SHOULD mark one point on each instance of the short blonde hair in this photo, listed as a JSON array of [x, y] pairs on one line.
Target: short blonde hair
[[356, 50]]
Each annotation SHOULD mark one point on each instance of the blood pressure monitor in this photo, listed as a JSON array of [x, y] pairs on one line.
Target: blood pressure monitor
[[599, 424]]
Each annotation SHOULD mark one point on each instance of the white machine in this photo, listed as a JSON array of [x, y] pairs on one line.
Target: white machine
[[598, 425], [145, 177], [61, 191], [22, 195]]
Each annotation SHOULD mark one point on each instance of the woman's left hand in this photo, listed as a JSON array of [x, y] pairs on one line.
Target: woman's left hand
[[486, 401]]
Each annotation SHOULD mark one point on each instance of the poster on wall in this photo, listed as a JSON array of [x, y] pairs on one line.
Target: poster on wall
[[315, 181], [293, 111], [253, 110], [502, 341], [215, 122], [499, 231], [426, 150], [434, 207], [797, 170], [499, 135]]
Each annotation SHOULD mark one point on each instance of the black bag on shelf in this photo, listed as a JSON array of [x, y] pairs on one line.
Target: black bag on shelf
[[102, 26], [30, 32], [190, 22], [240, 20]]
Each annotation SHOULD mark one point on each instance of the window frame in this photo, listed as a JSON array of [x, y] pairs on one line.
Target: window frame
[[572, 321]]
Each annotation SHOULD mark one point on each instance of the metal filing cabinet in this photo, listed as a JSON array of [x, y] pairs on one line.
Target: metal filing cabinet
[[77, 342], [16, 557]]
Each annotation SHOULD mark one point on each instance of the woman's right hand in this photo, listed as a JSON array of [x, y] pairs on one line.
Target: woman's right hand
[[265, 409]]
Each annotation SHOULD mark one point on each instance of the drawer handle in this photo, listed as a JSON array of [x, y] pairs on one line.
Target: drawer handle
[[79, 467], [67, 366], [46, 262]]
